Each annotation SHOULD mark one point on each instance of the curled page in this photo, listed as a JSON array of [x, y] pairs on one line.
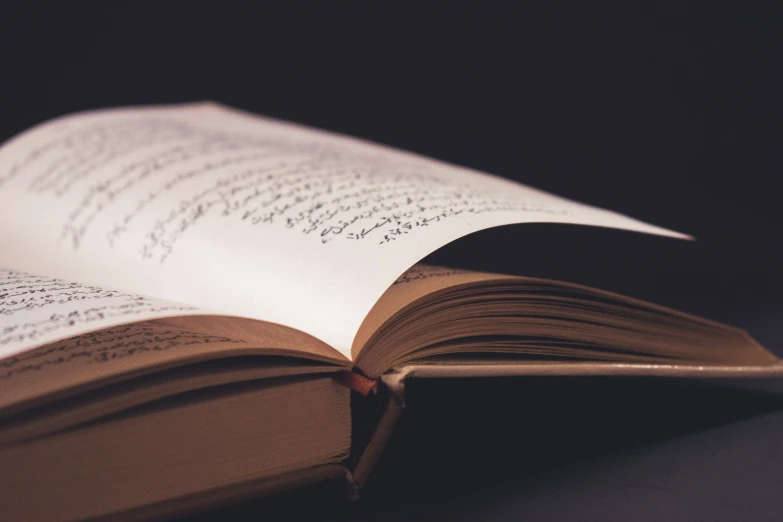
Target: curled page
[[222, 209]]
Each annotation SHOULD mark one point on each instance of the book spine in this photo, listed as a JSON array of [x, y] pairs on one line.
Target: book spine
[[383, 431]]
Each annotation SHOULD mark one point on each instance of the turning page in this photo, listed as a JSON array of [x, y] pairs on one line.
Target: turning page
[[217, 208]]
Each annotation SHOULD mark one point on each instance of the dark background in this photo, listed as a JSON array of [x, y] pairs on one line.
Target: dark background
[[668, 112]]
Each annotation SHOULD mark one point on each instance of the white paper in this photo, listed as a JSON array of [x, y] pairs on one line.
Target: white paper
[[221, 209], [37, 310]]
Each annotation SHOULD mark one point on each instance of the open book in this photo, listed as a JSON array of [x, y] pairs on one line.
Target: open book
[[188, 294]]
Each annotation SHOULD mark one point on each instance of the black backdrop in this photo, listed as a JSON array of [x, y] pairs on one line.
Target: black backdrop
[[669, 112]]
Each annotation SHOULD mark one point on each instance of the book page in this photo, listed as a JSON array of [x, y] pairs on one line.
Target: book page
[[56, 335], [128, 351], [221, 209], [431, 312], [36, 310], [417, 282]]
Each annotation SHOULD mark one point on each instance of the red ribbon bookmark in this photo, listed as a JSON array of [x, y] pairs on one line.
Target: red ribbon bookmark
[[357, 382]]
